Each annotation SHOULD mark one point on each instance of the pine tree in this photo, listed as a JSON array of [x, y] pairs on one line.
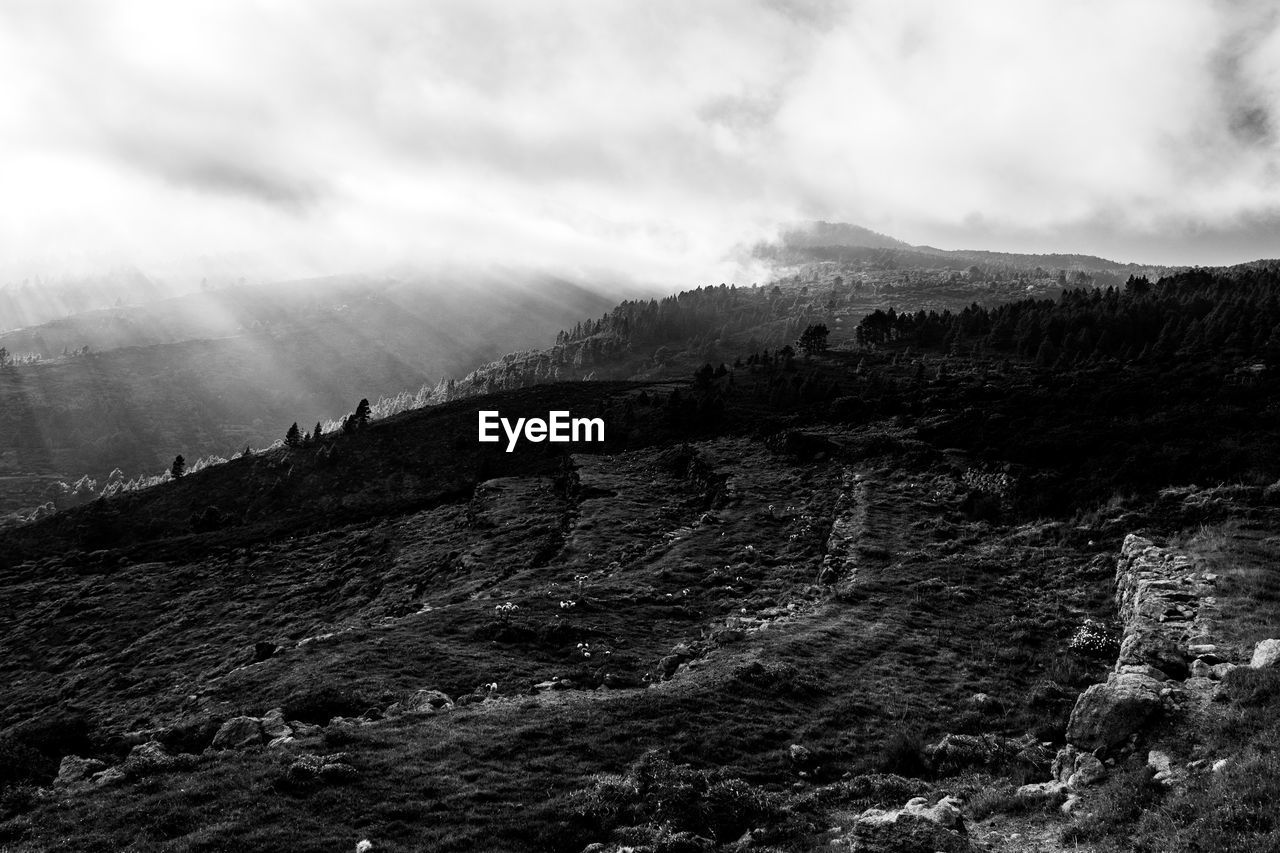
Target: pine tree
[[361, 415], [293, 438], [178, 468], [317, 432]]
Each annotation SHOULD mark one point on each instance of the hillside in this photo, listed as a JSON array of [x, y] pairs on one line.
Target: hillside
[[213, 372], [840, 242], [777, 596]]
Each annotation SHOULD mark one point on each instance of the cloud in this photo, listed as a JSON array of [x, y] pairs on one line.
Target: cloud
[[645, 139]]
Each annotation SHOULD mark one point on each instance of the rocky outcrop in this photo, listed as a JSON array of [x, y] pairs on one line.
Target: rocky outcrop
[[1107, 715], [915, 827], [239, 733]]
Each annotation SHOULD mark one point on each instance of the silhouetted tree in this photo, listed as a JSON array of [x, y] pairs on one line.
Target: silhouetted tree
[[813, 339], [361, 415], [317, 432], [178, 468], [293, 438]]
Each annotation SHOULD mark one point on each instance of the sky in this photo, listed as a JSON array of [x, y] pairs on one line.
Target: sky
[[652, 139]]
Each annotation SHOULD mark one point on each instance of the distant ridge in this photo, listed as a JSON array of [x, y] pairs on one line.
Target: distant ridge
[[814, 234]]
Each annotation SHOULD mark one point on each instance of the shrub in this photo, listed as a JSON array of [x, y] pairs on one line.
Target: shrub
[[903, 755], [660, 792], [1093, 640]]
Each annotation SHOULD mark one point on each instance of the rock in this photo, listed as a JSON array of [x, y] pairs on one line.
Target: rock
[[364, 846], [800, 755], [1089, 771], [1159, 761], [428, 702], [1042, 792], [906, 830], [1219, 671], [147, 758], [109, 777], [1221, 764], [238, 733], [301, 729], [274, 726], [1143, 669], [1265, 654], [1108, 714], [1070, 804], [946, 812], [278, 742], [75, 769], [668, 665]]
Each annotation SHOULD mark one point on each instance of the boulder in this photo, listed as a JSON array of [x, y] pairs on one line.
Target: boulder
[[147, 758], [75, 769], [800, 755], [1265, 654], [274, 726], [1108, 714], [301, 729], [1089, 771], [946, 812], [239, 733], [428, 702], [908, 830], [1043, 792], [109, 777], [1077, 769]]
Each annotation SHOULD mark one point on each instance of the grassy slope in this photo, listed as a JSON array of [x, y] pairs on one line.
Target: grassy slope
[[942, 606]]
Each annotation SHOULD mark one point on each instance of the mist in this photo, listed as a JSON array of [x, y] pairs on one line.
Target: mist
[[642, 143]]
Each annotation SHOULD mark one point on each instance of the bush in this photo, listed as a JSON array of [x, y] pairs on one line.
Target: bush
[[658, 791], [903, 755], [1093, 640]]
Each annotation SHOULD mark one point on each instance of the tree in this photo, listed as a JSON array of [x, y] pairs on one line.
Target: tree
[[813, 339], [317, 432], [178, 468], [293, 438], [361, 415]]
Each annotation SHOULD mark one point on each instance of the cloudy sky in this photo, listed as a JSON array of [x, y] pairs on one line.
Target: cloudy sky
[[647, 137]]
